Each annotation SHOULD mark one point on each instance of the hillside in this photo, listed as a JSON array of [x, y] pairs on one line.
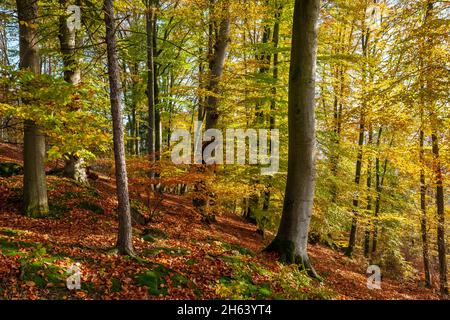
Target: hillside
[[178, 256]]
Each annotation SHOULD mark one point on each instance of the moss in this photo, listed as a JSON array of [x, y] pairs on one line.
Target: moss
[[285, 248], [56, 211], [91, 207], [240, 249], [191, 262], [153, 280], [116, 285], [40, 268], [35, 210], [171, 251], [152, 234], [11, 232]]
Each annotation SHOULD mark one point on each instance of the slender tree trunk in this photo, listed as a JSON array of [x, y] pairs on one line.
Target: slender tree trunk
[[216, 65], [426, 61], [369, 199], [379, 188], [291, 240], [150, 19], [157, 128], [423, 186], [337, 118], [423, 209], [74, 165], [443, 284], [273, 102], [171, 106], [34, 181], [353, 230], [134, 114], [124, 240]]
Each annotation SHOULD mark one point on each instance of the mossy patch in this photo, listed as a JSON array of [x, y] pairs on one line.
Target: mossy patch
[[171, 251], [285, 248], [242, 287], [42, 269], [92, 207], [11, 232], [152, 234], [11, 247], [238, 248], [156, 280], [116, 285]]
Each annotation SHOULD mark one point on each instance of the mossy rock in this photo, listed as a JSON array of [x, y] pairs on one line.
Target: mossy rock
[[9, 169]]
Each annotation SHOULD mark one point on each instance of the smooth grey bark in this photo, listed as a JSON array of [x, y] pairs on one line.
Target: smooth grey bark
[[124, 239], [216, 65], [74, 165], [291, 240], [150, 19], [35, 202]]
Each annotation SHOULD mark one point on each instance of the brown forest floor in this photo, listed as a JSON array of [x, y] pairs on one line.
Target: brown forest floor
[[190, 253]]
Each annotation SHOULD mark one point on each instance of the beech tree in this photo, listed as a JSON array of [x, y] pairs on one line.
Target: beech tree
[[124, 240], [34, 181], [217, 62], [74, 164], [291, 240]]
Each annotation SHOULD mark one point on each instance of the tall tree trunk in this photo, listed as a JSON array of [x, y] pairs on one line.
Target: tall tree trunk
[[34, 180], [273, 102], [74, 165], [264, 57], [353, 230], [423, 186], [291, 240], [124, 239], [423, 209], [156, 89], [150, 19], [216, 65], [379, 182], [443, 284], [369, 198], [426, 60]]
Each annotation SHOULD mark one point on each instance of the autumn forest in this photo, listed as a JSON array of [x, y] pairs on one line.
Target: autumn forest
[[224, 149]]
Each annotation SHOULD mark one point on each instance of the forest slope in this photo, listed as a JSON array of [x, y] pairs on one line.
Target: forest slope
[[178, 255]]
